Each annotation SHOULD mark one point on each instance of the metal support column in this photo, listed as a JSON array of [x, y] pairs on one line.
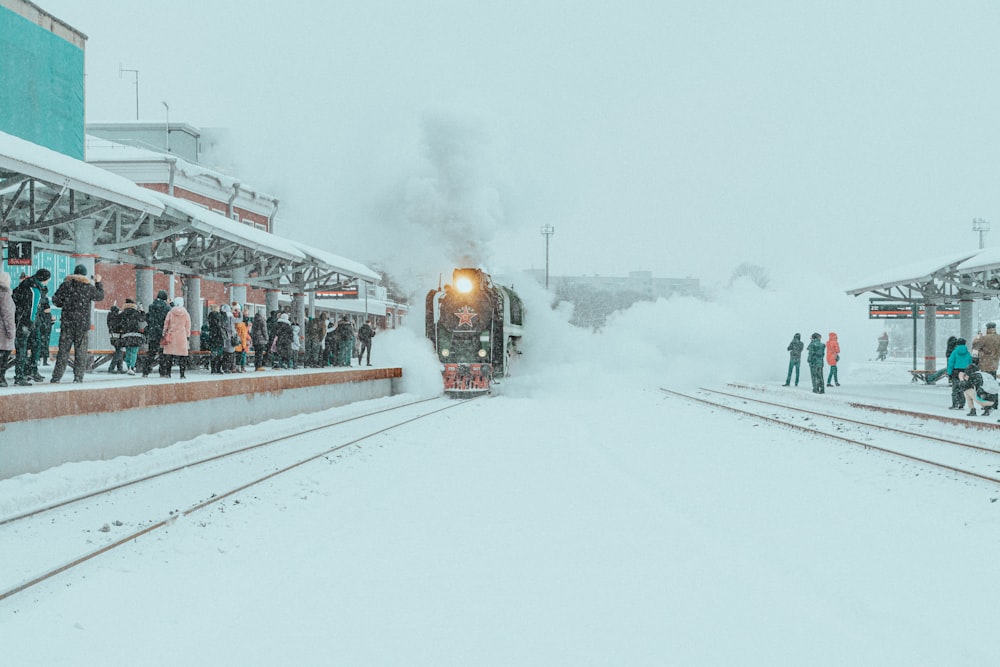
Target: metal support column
[[930, 336], [195, 309], [238, 288], [271, 301], [965, 310]]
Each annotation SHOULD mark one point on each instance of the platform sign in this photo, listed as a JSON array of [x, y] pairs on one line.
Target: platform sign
[[904, 311], [339, 292], [19, 253]]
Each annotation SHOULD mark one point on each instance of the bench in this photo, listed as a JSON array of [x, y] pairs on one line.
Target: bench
[[921, 376]]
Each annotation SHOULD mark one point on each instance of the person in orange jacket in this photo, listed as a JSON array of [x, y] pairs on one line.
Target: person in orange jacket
[[832, 357]]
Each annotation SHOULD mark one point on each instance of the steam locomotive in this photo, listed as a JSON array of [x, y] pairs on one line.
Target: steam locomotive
[[475, 326]]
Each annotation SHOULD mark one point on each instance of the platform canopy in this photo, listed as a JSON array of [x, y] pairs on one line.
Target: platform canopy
[[965, 275], [44, 195]]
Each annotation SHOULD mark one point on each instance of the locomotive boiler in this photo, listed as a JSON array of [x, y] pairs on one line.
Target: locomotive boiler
[[475, 326]]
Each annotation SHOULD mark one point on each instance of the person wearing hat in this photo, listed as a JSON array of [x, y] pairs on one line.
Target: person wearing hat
[[794, 359], [282, 337], [987, 348], [176, 335], [816, 351], [155, 317], [131, 325], [75, 296], [28, 297]]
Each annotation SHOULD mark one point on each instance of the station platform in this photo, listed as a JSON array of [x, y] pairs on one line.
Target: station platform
[[111, 415]]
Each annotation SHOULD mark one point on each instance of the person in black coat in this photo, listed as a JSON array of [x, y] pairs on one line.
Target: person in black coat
[[75, 296], [115, 333], [365, 335], [260, 339], [132, 323], [155, 316], [43, 324]]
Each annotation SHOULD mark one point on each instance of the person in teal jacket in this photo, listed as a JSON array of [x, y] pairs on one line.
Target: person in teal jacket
[[794, 359], [816, 351], [958, 360]]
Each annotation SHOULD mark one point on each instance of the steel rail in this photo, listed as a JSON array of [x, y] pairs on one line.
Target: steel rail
[[34, 581], [832, 436], [946, 441], [896, 411], [91, 494]]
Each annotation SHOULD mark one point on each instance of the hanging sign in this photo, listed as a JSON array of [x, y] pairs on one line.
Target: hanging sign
[[19, 253], [339, 291], [904, 311]]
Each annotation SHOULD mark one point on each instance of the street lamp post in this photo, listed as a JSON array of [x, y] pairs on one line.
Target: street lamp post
[[547, 232]]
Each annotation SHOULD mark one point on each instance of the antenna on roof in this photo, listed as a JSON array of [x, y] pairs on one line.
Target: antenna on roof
[[121, 70]]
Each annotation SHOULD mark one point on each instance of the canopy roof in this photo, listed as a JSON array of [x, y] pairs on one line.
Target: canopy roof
[[970, 275], [44, 195], [20, 160]]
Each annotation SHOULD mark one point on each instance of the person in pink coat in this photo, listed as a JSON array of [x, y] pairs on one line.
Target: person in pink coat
[[6, 325], [832, 357], [176, 331]]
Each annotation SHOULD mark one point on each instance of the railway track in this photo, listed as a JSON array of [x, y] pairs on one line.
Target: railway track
[[194, 486], [962, 457]]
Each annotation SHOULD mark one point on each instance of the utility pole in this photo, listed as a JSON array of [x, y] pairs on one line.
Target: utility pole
[[981, 226], [167, 106], [121, 71], [547, 232]]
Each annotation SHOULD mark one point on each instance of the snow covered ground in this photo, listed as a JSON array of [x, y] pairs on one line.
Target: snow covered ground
[[581, 517]]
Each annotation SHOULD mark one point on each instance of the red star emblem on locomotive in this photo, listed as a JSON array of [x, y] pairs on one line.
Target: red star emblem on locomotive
[[465, 315]]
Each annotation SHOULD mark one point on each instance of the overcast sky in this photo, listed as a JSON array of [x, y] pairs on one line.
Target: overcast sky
[[681, 137]]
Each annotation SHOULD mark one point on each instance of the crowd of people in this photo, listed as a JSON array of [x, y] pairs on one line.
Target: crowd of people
[[233, 335], [971, 371], [816, 353]]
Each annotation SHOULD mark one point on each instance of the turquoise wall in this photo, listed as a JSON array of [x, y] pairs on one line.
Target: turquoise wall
[[43, 79]]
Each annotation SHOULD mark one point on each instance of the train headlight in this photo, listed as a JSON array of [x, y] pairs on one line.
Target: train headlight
[[445, 352], [482, 353], [463, 284]]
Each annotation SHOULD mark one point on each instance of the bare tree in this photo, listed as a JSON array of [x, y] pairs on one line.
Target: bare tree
[[756, 273]]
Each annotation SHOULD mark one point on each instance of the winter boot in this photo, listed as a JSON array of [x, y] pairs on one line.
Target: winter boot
[[971, 413], [987, 410]]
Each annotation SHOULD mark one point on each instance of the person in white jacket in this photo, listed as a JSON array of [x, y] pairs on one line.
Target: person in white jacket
[[980, 388]]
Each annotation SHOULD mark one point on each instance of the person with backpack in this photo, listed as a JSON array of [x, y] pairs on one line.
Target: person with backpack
[[116, 332], [133, 322], [344, 337]]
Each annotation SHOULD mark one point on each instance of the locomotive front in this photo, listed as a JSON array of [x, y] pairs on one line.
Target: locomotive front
[[471, 325]]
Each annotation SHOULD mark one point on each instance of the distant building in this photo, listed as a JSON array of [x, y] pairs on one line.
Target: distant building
[[640, 282], [595, 297]]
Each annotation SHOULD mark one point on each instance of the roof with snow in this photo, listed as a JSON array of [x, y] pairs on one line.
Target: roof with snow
[[29, 159], [47, 193], [972, 274]]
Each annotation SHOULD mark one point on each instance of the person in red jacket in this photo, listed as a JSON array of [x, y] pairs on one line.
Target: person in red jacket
[[832, 357]]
